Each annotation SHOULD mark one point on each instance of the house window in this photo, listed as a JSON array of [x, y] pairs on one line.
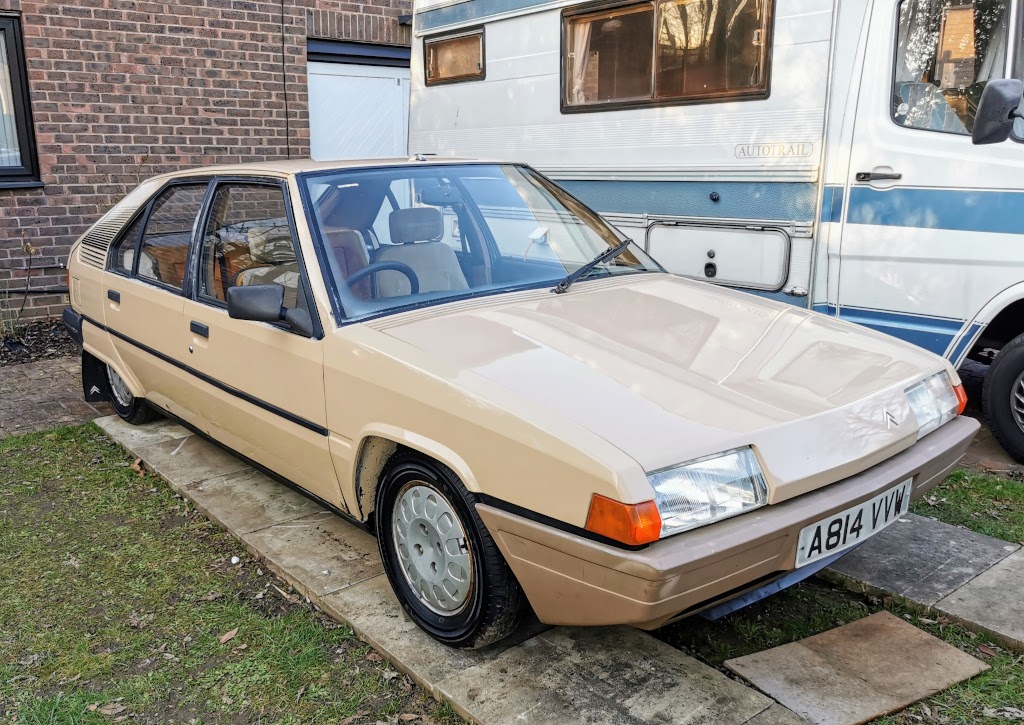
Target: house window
[[17, 145], [669, 51], [454, 58], [947, 50]]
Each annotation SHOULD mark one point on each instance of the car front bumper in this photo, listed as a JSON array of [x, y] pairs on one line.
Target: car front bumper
[[573, 580]]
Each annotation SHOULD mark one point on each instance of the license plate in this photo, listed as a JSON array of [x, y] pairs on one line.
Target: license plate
[[852, 526]]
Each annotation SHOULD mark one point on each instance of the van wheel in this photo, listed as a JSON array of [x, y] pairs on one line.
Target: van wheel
[[441, 561], [1003, 398], [134, 410]]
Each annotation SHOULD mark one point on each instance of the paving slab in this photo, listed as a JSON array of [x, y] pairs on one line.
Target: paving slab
[[992, 602], [857, 672], [375, 615], [921, 560], [134, 437], [776, 715], [182, 461], [598, 676], [247, 501], [318, 554]]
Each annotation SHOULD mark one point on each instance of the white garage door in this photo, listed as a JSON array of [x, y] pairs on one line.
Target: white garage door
[[358, 111]]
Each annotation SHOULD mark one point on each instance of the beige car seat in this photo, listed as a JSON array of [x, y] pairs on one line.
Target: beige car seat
[[415, 237]]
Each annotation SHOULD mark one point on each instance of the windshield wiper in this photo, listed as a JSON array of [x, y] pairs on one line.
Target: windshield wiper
[[605, 256]]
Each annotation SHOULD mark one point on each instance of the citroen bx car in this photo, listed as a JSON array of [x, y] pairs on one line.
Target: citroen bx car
[[516, 399]]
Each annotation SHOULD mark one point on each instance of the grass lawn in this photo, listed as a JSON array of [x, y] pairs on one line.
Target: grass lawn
[[981, 502], [118, 602]]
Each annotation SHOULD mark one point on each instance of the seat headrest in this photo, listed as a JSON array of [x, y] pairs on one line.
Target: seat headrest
[[271, 244], [417, 224]]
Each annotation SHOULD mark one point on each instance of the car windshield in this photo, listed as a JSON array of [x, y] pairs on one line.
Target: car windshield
[[412, 235]]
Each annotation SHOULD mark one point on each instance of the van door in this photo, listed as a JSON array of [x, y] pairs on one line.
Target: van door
[[932, 226]]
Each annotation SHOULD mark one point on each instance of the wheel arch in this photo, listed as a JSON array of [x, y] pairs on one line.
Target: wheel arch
[[1000, 320], [377, 444]]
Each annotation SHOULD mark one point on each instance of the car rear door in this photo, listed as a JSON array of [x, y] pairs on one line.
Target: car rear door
[[262, 383], [144, 293]]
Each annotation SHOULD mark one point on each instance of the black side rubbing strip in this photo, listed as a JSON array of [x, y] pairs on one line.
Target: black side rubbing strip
[[270, 408]]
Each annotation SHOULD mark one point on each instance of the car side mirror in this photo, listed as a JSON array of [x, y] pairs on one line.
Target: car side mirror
[[265, 303], [999, 107]]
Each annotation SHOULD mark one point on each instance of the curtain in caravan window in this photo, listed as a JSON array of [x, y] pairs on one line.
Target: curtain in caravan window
[[578, 62], [10, 153]]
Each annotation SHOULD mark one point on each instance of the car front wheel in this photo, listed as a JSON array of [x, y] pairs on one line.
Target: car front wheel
[[1003, 398], [134, 410], [441, 561]]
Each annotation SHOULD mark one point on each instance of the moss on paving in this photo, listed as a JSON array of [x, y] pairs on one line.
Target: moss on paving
[[980, 502], [115, 596]]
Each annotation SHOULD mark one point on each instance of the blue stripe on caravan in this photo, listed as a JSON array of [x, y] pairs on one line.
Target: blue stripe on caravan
[[787, 201], [931, 333], [832, 203], [472, 11], [963, 210], [964, 346]]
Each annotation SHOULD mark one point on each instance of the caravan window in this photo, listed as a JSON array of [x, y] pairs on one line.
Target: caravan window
[[669, 51], [454, 58], [947, 50]]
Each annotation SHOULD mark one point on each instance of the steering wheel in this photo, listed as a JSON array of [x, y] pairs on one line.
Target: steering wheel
[[405, 269]]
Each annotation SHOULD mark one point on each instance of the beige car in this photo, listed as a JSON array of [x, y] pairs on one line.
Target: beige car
[[518, 401]]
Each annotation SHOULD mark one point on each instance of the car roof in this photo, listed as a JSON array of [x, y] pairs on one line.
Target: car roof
[[291, 167]]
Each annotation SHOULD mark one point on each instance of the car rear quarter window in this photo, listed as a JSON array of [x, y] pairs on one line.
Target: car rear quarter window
[[163, 253], [122, 252]]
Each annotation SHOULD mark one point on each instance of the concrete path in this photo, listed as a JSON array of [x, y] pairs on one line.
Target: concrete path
[[934, 567], [607, 676], [42, 395]]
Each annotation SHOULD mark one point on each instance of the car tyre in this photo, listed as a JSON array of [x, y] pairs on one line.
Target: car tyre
[[1002, 398], [420, 502], [131, 409]]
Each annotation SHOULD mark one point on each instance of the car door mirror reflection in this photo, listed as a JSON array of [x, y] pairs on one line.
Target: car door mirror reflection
[[265, 303]]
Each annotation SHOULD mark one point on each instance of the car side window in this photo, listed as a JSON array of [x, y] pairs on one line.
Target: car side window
[[947, 50], [122, 252], [163, 253], [248, 240]]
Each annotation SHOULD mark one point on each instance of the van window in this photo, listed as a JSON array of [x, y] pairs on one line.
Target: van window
[[666, 51], [947, 50], [164, 249], [454, 58]]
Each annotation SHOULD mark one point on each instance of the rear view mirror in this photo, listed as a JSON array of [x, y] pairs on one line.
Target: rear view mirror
[[265, 303], [998, 108]]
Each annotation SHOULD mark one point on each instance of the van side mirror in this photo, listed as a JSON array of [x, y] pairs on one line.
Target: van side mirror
[[999, 107], [265, 303]]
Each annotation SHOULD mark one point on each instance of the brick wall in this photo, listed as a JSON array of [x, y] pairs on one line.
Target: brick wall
[[122, 90]]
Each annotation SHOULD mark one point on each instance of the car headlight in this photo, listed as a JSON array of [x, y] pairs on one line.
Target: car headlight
[[935, 401], [708, 489]]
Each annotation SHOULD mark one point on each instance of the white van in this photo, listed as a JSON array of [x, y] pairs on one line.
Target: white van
[[811, 151]]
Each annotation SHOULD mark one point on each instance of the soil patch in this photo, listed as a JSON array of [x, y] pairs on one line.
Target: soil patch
[[43, 340]]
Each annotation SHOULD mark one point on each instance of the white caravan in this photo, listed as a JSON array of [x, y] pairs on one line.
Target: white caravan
[[813, 151]]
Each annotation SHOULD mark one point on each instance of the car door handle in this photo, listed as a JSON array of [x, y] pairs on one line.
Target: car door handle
[[199, 328], [114, 296], [878, 176]]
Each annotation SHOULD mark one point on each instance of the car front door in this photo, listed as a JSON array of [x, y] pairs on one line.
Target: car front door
[[933, 225], [262, 383]]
